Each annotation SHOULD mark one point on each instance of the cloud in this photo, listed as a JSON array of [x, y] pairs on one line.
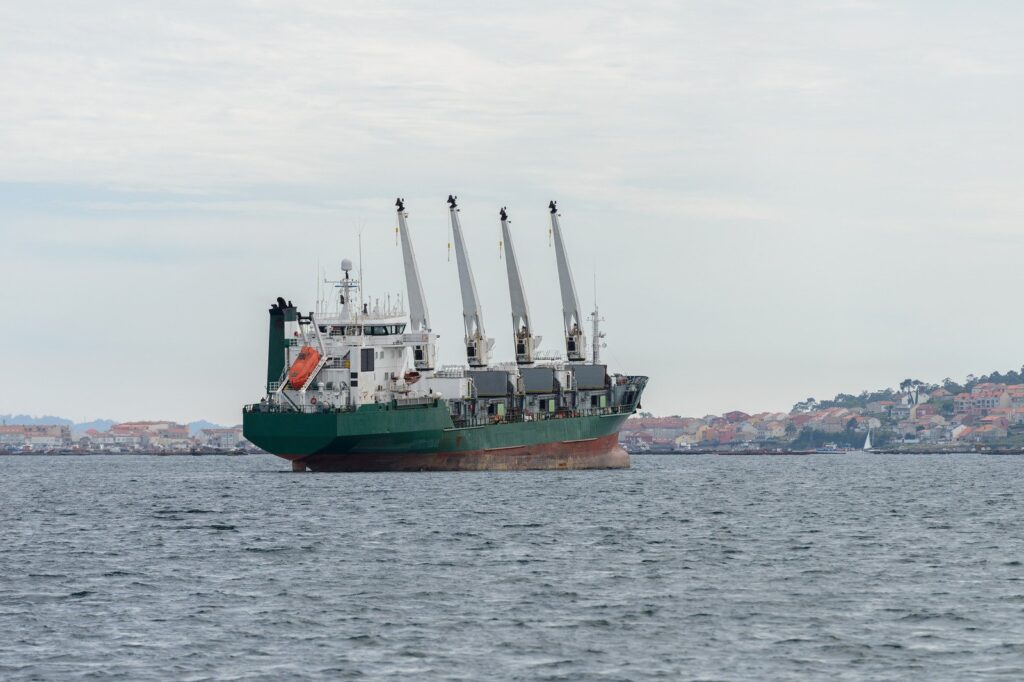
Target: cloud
[[783, 192]]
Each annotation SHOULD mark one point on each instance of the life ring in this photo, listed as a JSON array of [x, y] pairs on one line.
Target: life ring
[[312, 401]]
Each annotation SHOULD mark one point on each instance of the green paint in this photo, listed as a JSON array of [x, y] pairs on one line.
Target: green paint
[[388, 429], [275, 346]]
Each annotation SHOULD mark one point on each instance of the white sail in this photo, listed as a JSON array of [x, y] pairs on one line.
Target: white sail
[[867, 441]]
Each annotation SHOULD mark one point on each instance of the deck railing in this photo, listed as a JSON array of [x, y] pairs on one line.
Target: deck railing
[[637, 383], [517, 416], [305, 409]]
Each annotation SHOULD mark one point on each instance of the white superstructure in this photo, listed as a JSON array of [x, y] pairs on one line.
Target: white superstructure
[[364, 354]]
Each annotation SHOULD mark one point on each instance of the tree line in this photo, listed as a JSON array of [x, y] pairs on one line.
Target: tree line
[[913, 387]]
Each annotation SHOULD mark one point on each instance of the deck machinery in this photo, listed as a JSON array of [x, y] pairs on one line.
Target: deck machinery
[[358, 389]]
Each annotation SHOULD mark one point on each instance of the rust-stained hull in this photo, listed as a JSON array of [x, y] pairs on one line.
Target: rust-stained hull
[[424, 438], [592, 453]]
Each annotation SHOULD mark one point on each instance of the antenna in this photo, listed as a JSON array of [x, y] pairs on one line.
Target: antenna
[[597, 344], [334, 299], [361, 287]]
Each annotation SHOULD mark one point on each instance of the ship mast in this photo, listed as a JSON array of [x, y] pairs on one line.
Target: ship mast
[[596, 319], [419, 318], [477, 343], [522, 331], [596, 333], [575, 342]]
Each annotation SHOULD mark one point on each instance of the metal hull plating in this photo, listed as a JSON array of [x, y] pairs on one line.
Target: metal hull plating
[[424, 438], [597, 453]]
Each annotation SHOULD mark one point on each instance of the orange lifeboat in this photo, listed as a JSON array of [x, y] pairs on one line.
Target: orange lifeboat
[[303, 366]]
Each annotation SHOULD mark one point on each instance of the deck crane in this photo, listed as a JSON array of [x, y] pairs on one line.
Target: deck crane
[[421, 337], [575, 341], [478, 346], [522, 330]]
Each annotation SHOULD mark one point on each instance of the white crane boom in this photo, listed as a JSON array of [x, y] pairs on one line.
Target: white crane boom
[[477, 344], [575, 342], [419, 318], [522, 330]]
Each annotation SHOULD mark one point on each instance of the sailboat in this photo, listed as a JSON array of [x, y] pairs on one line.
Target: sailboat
[[867, 442]]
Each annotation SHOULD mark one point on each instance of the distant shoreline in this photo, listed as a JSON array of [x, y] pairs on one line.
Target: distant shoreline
[[798, 453], [147, 453], [656, 453]]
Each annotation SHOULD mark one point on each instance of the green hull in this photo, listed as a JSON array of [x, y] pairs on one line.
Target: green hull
[[387, 437]]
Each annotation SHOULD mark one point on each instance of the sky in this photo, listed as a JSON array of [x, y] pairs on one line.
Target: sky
[[776, 200]]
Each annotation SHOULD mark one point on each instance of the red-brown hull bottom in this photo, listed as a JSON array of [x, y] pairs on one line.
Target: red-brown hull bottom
[[596, 453]]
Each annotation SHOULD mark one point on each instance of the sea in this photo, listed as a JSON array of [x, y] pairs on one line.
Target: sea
[[843, 567]]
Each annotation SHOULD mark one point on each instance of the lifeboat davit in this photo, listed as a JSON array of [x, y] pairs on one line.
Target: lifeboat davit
[[303, 366]]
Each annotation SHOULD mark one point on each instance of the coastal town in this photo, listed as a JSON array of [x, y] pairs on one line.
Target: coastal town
[[158, 437], [983, 412]]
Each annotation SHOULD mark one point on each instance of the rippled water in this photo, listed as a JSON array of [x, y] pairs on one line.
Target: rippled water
[[853, 567]]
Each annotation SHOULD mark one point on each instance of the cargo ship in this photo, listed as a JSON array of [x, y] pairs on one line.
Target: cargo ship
[[353, 386]]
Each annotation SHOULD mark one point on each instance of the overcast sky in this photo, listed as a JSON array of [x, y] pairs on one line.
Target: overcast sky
[[779, 200]]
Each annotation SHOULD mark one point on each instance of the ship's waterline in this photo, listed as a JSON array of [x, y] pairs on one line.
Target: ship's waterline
[[352, 387], [590, 453]]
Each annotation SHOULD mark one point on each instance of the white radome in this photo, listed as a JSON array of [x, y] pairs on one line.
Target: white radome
[[346, 265]]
